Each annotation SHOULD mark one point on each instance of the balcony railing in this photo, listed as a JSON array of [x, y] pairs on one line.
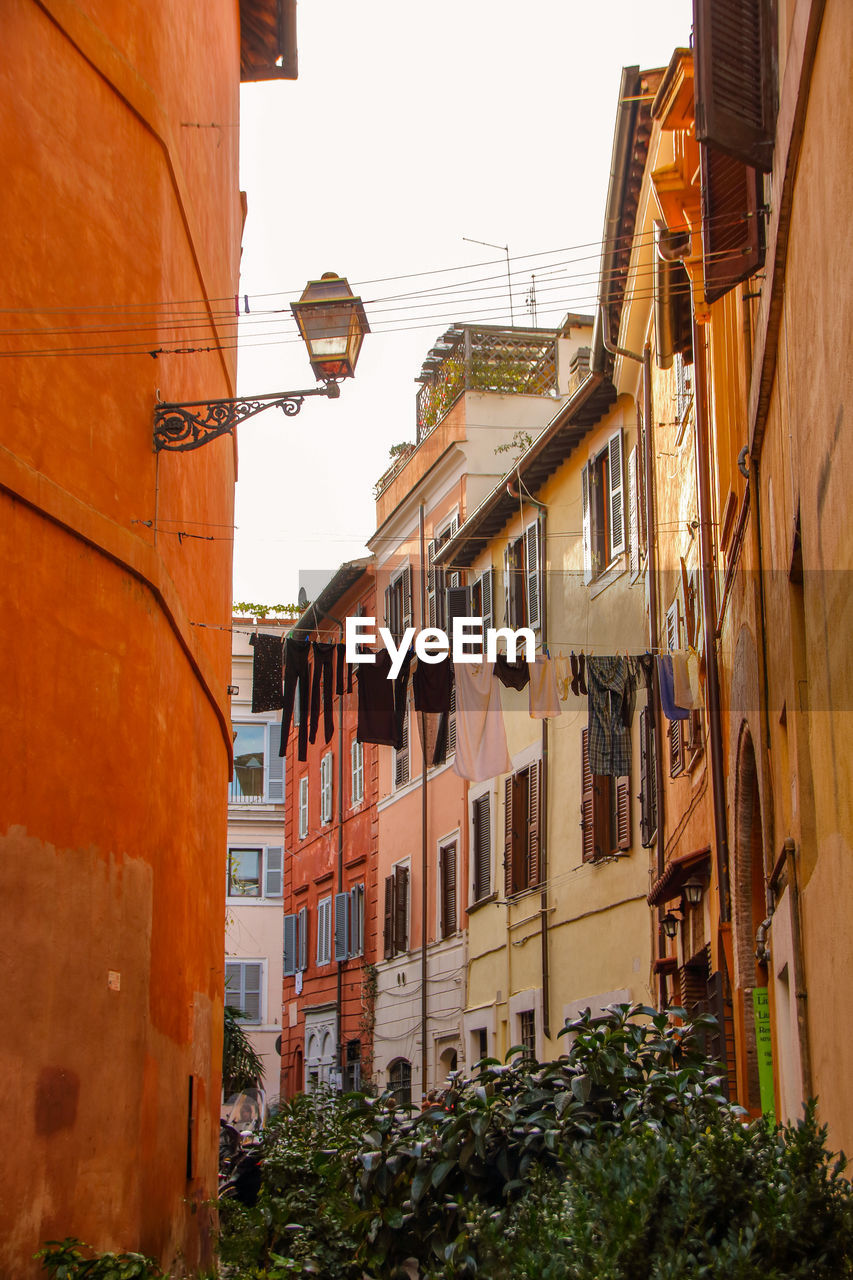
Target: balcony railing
[[482, 358]]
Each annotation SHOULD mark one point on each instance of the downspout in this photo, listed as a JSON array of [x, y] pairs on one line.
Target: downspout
[[709, 615], [339, 990], [424, 812], [543, 775], [652, 574], [800, 990]]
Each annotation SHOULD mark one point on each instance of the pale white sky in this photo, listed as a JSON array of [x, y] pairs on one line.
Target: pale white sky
[[412, 125]]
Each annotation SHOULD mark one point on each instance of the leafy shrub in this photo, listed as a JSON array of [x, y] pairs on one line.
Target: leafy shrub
[[622, 1160], [66, 1260]]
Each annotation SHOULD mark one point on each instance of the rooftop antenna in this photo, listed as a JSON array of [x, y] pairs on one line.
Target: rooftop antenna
[[531, 300], [505, 248]]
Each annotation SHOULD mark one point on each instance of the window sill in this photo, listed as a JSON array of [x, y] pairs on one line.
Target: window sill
[[482, 902], [613, 571], [254, 902]]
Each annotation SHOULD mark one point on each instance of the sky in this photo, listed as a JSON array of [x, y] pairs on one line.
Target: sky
[[412, 126]]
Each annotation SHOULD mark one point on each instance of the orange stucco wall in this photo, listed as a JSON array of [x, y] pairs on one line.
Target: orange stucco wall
[[116, 756]]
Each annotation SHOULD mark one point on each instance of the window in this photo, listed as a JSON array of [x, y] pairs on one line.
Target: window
[[603, 508], [257, 872], [481, 847], [480, 1043], [326, 788], [439, 579], [527, 1032], [357, 763], [448, 922], [398, 603], [352, 1066], [683, 387], [401, 756], [677, 729], [400, 1081], [522, 579], [243, 980], [295, 943], [324, 931], [303, 807], [521, 830], [258, 768], [396, 930], [605, 811]]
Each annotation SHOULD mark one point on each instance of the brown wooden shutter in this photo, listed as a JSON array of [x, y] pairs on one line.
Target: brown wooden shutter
[[732, 224], [623, 814], [448, 890], [482, 847], [389, 917], [648, 791], [508, 837], [532, 868], [734, 78], [587, 802], [401, 909]]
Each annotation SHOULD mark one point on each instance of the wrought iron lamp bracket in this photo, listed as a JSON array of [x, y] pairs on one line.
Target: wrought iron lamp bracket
[[180, 427]]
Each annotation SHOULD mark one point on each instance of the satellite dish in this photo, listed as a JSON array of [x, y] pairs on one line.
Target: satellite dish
[[302, 598]]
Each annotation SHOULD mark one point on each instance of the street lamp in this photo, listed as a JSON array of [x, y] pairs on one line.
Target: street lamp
[[670, 924], [693, 890], [332, 324]]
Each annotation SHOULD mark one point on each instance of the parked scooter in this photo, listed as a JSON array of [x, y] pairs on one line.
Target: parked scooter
[[240, 1154]]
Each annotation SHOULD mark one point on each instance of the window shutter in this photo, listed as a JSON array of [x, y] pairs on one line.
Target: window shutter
[[482, 848], [342, 909], [734, 78], [587, 802], [233, 984], [388, 933], [275, 767], [356, 896], [431, 614], [533, 575], [326, 789], [648, 792], [401, 908], [290, 945], [533, 794], [487, 591], [451, 723], [302, 939], [406, 605], [623, 814], [587, 527], [458, 605], [634, 543], [616, 480], [732, 226], [508, 618], [448, 890], [274, 872], [508, 837], [401, 755], [324, 930]]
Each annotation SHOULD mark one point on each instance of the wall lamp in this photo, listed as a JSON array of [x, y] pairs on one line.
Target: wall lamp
[[693, 890], [670, 924], [332, 324]]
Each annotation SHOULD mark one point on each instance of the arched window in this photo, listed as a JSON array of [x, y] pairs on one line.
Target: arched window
[[400, 1081]]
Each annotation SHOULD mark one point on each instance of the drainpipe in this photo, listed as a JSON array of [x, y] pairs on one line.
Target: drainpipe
[[799, 972], [543, 773], [424, 813], [709, 614], [652, 578], [339, 988]]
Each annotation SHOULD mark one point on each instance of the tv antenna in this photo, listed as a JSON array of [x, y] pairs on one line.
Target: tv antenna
[[505, 248]]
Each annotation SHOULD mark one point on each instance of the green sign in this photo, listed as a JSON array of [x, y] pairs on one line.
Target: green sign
[[764, 1048]]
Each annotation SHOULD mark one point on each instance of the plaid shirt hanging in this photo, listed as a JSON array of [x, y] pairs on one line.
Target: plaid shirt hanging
[[609, 738]]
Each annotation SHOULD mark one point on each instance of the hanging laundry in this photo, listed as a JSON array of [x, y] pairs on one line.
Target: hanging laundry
[[341, 669], [432, 685], [629, 698], [513, 675], [324, 657], [693, 677], [544, 698], [267, 692], [561, 670], [381, 701], [681, 691], [670, 707], [296, 667], [578, 680], [609, 740], [432, 731], [481, 751]]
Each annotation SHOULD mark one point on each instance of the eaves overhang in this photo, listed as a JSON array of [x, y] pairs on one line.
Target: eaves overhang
[[557, 442], [345, 578]]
